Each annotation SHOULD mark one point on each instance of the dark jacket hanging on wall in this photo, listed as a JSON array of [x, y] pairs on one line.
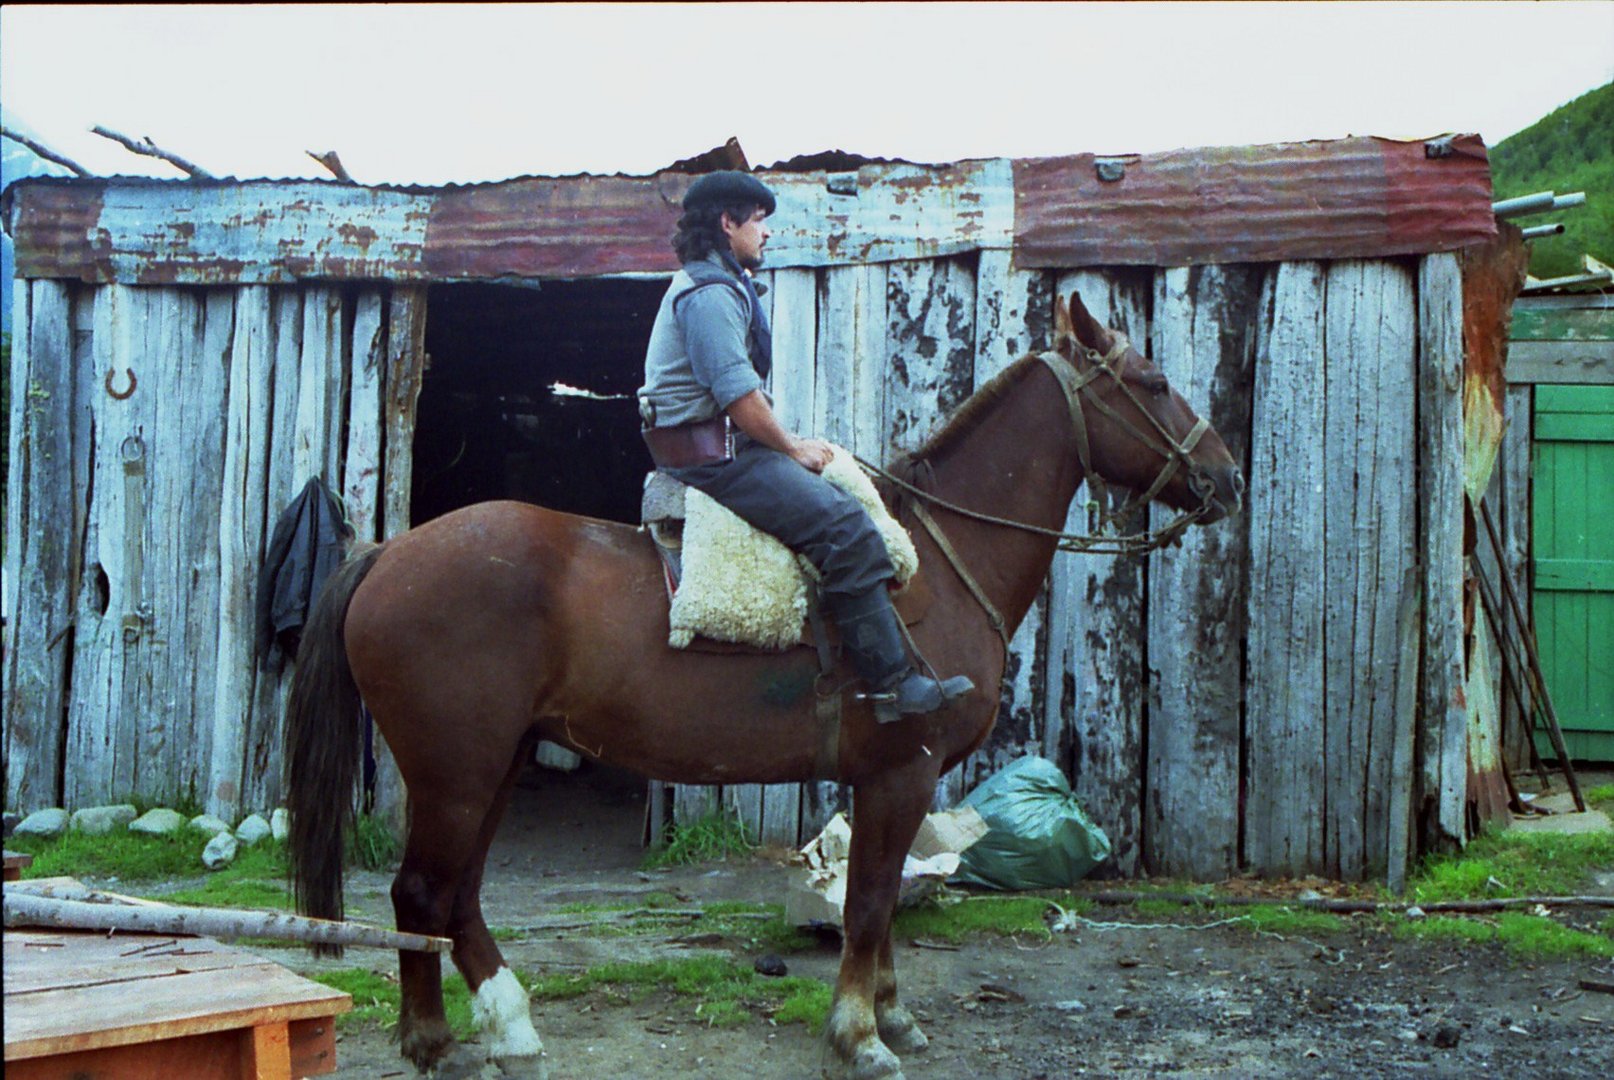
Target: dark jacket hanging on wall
[[309, 541]]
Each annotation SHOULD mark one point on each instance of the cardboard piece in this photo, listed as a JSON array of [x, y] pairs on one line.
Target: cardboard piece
[[817, 895]]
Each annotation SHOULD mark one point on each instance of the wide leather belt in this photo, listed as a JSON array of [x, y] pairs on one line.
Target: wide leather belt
[[706, 442]]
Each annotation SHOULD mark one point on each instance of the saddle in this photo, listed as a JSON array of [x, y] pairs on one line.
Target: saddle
[[662, 517]]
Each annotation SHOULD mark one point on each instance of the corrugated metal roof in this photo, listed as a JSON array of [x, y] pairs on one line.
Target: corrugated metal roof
[[1340, 199], [1346, 198]]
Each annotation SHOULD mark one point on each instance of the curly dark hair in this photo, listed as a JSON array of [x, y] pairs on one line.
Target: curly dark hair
[[700, 230]]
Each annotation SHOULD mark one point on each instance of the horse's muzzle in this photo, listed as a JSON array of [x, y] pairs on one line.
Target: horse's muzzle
[[1226, 494]]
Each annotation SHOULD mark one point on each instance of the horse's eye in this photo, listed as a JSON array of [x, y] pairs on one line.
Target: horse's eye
[[1156, 384]]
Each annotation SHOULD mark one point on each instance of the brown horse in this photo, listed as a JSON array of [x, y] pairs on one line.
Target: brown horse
[[478, 633]]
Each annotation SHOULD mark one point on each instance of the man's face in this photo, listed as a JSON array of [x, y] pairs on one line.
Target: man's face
[[746, 239]]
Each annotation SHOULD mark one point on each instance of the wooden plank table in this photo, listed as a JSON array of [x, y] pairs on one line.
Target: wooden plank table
[[16, 863], [94, 1006]]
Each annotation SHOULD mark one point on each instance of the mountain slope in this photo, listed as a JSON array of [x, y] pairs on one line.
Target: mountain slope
[[1570, 149]]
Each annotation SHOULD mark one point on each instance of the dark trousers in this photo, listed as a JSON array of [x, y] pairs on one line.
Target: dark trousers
[[805, 512]]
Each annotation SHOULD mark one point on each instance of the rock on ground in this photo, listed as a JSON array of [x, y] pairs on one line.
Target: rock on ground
[[158, 822], [220, 851], [252, 829], [101, 820], [280, 824], [49, 823], [209, 824]]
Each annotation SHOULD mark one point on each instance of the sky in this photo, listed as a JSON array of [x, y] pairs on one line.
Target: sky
[[436, 94]]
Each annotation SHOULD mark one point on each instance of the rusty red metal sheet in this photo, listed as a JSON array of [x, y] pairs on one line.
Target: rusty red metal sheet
[[544, 228], [1346, 198], [1350, 198]]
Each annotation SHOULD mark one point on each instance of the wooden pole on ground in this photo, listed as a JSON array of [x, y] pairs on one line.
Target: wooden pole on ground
[[25, 909]]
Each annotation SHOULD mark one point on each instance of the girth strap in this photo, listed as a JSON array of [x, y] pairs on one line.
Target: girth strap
[[993, 616]]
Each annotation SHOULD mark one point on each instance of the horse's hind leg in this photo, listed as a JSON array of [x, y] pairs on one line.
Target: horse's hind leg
[[885, 816], [451, 825], [500, 1006]]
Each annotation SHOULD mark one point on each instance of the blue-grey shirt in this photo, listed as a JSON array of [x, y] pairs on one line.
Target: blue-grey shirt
[[698, 362]]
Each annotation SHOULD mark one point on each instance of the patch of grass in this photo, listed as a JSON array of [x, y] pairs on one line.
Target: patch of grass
[[371, 845], [1606, 926], [773, 934], [1522, 863], [1536, 935], [1444, 928], [807, 1004], [730, 993], [1292, 920], [715, 836], [1531, 936], [376, 999], [137, 857], [1160, 909], [232, 892], [1600, 797], [955, 920]]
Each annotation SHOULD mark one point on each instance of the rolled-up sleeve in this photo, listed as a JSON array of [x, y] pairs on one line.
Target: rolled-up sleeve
[[716, 322]]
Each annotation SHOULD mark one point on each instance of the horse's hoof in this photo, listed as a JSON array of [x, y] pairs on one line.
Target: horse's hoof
[[900, 1031], [872, 1061], [516, 1067], [432, 1049], [456, 1064]]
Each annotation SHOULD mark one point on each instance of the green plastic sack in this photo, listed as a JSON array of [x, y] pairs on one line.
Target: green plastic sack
[[1037, 838]]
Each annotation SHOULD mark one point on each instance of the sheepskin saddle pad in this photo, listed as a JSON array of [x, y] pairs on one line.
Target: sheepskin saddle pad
[[740, 585]]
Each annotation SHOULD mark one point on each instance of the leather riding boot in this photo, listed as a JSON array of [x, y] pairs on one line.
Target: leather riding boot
[[873, 640]]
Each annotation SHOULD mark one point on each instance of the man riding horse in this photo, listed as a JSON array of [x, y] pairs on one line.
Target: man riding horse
[[710, 424]]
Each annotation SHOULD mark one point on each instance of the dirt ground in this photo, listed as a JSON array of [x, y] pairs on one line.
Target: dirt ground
[[1122, 1001]]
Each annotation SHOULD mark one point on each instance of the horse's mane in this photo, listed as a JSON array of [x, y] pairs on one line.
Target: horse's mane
[[965, 419], [968, 416]]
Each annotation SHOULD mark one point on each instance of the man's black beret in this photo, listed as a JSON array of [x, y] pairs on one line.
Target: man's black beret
[[728, 188]]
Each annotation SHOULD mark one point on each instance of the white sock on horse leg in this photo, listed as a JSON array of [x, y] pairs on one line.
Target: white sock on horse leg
[[501, 1008]]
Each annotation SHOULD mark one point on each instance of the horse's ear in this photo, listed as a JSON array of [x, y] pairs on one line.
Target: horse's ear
[[1064, 334], [1088, 330]]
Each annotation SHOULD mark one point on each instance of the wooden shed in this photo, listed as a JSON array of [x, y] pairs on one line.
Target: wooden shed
[[1284, 693]]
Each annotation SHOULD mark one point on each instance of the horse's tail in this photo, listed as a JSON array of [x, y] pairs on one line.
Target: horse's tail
[[322, 748]]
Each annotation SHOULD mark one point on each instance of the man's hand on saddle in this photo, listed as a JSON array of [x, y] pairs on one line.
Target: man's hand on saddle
[[811, 454], [753, 415]]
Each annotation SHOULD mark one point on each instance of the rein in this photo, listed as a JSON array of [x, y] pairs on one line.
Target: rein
[[1076, 386]]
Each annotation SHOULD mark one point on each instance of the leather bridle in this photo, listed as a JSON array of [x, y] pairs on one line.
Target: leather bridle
[[1076, 386]]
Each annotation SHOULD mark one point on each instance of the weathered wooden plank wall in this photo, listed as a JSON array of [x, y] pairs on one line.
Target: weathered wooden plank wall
[[170, 428], [1285, 697], [1443, 732], [39, 561], [1205, 326], [1369, 445]]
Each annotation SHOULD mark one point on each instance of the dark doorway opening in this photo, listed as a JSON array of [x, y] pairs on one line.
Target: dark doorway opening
[[529, 396]]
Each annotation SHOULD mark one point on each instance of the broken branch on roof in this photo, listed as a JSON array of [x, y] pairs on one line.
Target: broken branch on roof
[[333, 164], [144, 145], [45, 152]]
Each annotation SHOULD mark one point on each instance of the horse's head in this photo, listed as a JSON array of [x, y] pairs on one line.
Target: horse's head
[[1139, 432]]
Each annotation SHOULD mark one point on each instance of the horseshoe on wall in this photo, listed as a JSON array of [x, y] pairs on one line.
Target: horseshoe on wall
[[120, 394]]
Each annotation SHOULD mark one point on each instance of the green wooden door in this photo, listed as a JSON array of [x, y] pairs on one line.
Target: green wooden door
[[1573, 518]]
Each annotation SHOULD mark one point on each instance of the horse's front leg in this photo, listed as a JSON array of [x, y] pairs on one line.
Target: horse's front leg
[[886, 813], [896, 1025]]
